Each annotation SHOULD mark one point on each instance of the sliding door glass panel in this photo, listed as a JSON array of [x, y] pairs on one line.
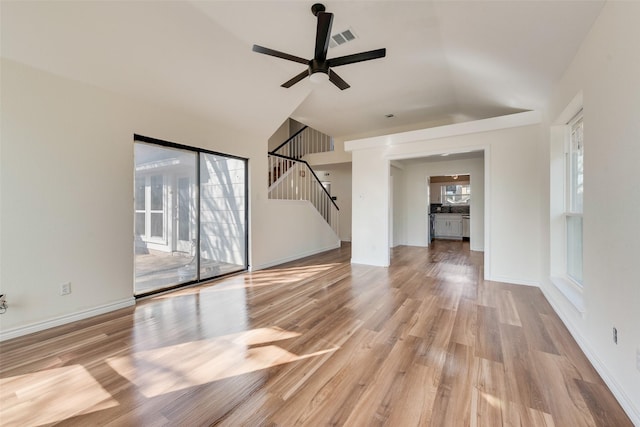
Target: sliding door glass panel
[[222, 215], [165, 215]]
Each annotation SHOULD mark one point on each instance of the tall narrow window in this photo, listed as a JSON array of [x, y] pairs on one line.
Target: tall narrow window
[[574, 203], [187, 229]]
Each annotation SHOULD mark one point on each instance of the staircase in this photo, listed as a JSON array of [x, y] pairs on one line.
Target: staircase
[[305, 141], [291, 177]]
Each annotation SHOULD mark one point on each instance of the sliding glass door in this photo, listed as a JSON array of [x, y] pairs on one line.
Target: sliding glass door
[[190, 215], [223, 227]]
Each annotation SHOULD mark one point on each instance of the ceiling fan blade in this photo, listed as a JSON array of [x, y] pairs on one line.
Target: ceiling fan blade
[[279, 54], [357, 57], [337, 80], [296, 79], [323, 33]]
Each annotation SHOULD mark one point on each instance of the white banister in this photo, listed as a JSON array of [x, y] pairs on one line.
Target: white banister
[[290, 179]]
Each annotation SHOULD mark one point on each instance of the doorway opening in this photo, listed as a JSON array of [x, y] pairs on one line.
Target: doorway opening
[[449, 203]]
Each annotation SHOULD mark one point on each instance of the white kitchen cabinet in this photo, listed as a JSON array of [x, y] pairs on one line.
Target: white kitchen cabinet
[[465, 226], [435, 193], [448, 226]]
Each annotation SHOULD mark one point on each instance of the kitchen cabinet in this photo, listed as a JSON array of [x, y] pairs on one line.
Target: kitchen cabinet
[[448, 226], [465, 226], [435, 194]]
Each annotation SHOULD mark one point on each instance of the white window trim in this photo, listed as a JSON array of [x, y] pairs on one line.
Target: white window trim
[[147, 211], [559, 207], [572, 292]]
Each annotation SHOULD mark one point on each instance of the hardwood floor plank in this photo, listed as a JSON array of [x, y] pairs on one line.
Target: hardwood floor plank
[[599, 400], [465, 326], [414, 403], [330, 381], [573, 410], [568, 348], [530, 310], [488, 342], [452, 406], [523, 385], [507, 310], [317, 341]]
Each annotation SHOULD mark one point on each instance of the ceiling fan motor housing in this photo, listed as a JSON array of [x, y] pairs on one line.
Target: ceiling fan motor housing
[[316, 66]]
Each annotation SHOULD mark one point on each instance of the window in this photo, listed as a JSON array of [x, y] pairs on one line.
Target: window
[[566, 197], [574, 171], [150, 208], [456, 194]]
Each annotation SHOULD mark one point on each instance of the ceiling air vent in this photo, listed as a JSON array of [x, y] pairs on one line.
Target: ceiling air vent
[[342, 38]]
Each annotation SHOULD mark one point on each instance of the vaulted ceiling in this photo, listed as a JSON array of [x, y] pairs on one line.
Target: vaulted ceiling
[[447, 61]]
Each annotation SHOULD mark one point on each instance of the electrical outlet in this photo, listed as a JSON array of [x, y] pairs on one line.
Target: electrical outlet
[[65, 288], [615, 335]]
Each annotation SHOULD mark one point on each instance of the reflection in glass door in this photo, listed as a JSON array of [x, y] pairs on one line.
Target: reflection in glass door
[[187, 229], [161, 258], [184, 208]]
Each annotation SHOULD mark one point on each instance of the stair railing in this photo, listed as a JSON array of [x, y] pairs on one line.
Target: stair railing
[[305, 141], [292, 179]]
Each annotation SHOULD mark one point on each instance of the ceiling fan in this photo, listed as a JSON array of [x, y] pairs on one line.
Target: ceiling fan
[[320, 68]]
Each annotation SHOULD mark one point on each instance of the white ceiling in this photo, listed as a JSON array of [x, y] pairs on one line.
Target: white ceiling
[[447, 61]]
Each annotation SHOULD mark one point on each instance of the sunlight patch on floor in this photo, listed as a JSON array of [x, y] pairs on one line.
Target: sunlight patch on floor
[[270, 277], [167, 369], [51, 396]]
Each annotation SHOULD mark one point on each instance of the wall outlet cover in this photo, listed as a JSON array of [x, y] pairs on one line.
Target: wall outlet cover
[[65, 288]]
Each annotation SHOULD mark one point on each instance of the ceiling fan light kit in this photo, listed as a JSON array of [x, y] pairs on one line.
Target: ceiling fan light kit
[[319, 77], [319, 68]]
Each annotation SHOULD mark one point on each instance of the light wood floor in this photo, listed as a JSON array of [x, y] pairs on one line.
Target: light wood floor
[[316, 342]]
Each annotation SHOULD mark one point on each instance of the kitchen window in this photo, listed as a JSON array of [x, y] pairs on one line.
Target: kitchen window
[[456, 194]]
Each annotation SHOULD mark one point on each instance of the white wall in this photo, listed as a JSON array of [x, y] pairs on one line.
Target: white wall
[[607, 71], [416, 198], [399, 219], [280, 136], [337, 156], [67, 194], [512, 190], [295, 228], [339, 176], [370, 208]]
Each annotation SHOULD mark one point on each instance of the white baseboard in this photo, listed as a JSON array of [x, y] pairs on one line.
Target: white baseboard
[[293, 257], [366, 262], [628, 405], [67, 318], [511, 280]]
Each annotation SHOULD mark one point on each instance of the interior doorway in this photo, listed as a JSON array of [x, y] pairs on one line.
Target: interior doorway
[[449, 197], [415, 194]]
